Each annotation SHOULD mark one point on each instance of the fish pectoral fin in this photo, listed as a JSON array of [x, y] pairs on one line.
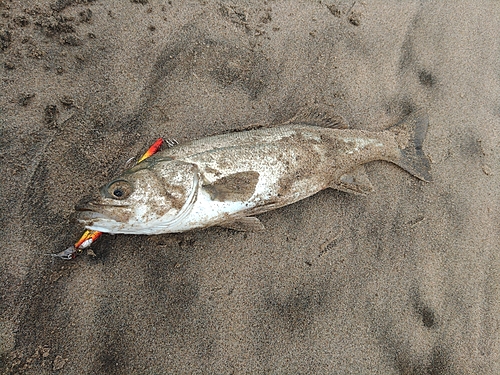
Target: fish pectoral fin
[[238, 186], [319, 115], [244, 224], [356, 182]]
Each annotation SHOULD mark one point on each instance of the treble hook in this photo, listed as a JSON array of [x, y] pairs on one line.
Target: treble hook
[[68, 254]]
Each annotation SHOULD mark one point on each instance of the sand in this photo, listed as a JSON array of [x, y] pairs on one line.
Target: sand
[[404, 280]]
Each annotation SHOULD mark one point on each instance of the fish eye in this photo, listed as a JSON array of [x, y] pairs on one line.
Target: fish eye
[[118, 193], [119, 189]]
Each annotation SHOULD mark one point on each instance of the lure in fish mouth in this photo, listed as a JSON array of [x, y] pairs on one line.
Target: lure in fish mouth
[[227, 179]]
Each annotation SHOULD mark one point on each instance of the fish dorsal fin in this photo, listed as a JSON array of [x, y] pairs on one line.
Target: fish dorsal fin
[[238, 186], [244, 224], [356, 182], [319, 115]]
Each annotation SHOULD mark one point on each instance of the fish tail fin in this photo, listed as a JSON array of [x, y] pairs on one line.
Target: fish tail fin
[[412, 158]]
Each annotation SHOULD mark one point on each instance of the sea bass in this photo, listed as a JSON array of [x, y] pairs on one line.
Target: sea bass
[[227, 179]]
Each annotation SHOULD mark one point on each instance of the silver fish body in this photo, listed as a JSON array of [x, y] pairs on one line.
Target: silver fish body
[[226, 179]]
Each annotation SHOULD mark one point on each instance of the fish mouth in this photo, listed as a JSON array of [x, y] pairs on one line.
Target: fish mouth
[[91, 211], [85, 216]]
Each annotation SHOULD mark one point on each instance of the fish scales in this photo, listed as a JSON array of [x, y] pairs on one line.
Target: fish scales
[[226, 179]]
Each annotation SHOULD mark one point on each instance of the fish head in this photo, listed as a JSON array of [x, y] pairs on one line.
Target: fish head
[[145, 199]]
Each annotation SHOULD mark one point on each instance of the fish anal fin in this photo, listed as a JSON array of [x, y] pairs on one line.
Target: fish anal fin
[[319, 115], [356, 182], [244, 224], [238, 186]]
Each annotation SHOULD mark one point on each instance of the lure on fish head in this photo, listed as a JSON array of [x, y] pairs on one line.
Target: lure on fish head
[[156, 193]]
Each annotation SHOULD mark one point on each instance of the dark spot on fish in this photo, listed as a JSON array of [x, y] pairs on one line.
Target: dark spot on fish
[[304, 168], [174, 190], [212, 171], [426, 78], [238, 186]]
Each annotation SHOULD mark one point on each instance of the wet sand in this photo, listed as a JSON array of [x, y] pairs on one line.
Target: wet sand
[[401, 281]]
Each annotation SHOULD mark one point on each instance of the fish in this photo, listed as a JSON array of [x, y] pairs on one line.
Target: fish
[[227, 179]]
